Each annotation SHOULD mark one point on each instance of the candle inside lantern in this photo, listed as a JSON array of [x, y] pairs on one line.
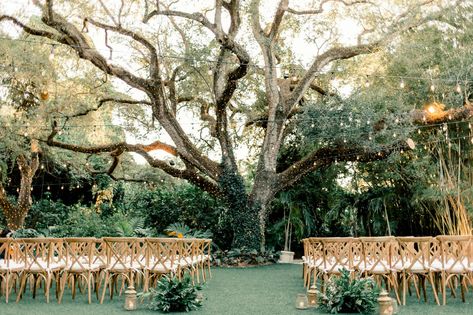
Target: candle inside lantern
[[301, 301]]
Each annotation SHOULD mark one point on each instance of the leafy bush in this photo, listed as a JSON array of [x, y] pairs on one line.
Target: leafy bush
[[243, 257], [346, 295], [186, 204], [173, 295], [26, 233]]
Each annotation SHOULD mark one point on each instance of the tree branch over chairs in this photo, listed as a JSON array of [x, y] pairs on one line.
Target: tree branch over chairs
[[116, 149], [348, 152]]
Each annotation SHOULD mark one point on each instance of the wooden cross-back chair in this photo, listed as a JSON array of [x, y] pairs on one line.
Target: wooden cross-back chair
[[43, 259], [201, 256], [416, 264], [162, 257], [83, 262], [10, 266], [336, 256], [312, 260], [377, 261], [125, 258], [455, 262]]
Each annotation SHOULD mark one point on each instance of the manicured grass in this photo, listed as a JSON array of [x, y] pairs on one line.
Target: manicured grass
[[261, 290]]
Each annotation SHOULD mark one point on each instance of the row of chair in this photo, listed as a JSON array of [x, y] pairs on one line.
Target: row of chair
[[92, 263], [443, 261]]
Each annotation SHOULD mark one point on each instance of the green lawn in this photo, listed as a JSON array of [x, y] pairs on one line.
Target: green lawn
[[262, 290]]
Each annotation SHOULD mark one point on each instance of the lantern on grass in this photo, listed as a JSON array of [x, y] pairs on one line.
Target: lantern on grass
[[312, 296], [385, 303], [301, 301], [130, 299]]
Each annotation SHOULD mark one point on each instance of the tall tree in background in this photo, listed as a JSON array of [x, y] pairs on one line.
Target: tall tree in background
[[237, 84]]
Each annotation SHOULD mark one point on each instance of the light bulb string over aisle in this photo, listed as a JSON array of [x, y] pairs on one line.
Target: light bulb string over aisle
[[336, 158], [395, 130], [402, 79]]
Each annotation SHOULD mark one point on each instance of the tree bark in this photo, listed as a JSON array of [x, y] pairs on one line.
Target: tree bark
[[15, 214]]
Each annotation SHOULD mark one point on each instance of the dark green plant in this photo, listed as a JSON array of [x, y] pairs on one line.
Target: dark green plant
[[173, 295], [350, 295], [243, 257], [26, 233]]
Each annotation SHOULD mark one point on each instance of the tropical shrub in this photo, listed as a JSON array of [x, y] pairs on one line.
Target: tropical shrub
[[174, 295], [181, 230], [347, 295]]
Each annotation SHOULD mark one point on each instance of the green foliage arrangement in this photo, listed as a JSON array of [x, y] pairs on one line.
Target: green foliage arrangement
[[242, 257], [347, 295], [174, 295]]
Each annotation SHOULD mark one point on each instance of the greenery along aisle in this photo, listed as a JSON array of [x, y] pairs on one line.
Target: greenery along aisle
[[269, 290], [208, 83]]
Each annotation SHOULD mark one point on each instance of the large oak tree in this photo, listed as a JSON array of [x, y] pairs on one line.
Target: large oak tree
[[243, 47]]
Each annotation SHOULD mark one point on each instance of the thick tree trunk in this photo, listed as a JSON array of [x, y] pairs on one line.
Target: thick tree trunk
[[243, 213], [15, 214]]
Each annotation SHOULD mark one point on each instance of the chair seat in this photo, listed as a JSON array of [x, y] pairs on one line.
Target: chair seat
[[123, 267], [75, 267], [451, 266], [374, 268], [162, 268], [11, 266], [42, 265]]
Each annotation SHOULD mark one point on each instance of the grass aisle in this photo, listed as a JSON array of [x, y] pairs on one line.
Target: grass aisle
[[263, 290]]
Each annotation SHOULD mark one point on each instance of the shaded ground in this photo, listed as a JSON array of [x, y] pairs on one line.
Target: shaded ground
[[263, 290]]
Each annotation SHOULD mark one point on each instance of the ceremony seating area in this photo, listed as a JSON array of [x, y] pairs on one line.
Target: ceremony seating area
[[445, 262], [91, 265]]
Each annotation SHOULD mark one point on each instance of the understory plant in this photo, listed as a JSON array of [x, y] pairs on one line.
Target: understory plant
[[345, 294], [242, 257], [174, 295]]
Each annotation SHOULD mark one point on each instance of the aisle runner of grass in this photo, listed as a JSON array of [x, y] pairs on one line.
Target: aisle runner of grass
[[247, 291]]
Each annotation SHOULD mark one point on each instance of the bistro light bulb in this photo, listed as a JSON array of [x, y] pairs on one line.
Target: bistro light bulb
[[458, 88], [51, 54], [402, 84], [432, 87]]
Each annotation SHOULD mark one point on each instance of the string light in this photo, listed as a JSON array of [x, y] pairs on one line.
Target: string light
[[458, 88], [51, 54], [432, 87], [402, 84]]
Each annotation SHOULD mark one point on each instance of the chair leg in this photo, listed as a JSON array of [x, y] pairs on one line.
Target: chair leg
[[106, 280], [444, 289], [47, 285], [404, 288], [23, 280], [89, 286], [431, 278], [423, 288], [62, 284], [7, 287]]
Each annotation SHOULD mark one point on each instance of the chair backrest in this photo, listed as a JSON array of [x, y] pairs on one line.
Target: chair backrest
[[124, 253], [377, 253], [82, 253], [40, 253], [337, 254], [5, 253], [455, 253], [314, 251], [163, 253], [415, 253]]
